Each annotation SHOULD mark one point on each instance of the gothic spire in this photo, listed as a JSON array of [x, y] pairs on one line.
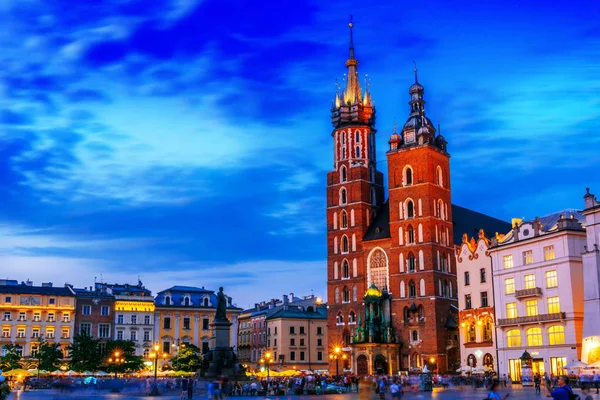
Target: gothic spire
[[352, 94]]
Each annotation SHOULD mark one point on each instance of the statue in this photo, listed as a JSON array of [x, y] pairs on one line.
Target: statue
[[221, 314]]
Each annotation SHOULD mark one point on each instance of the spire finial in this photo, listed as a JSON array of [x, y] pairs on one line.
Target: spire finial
[[394, 125], [351, 25], [416, 77]]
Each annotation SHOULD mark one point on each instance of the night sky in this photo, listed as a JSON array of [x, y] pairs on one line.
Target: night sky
[[187, 141]]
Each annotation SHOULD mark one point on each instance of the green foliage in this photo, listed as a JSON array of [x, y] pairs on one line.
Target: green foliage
[[49, 355], [188, 358], [11, 359], [126, 348], [85, 353], [4, 390]]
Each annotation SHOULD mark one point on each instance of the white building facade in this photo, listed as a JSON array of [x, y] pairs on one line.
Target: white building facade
[[476, 303], [538, 276], [591, 289]]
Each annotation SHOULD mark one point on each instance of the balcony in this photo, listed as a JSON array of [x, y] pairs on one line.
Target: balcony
[[533, 292], [531, 319]]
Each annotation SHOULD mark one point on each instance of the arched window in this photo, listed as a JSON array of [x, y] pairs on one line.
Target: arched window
[[410, 209], [439, 177], [354, 293], [471, 336], [344, 223], [513, 338], [339, 318], [408, 176], [441, 209], [357, 136], [411, 235], [412, 289], [167, 300], [205, 303], [352, 317], [402, 290], [420, 233], [186, 301], [346, 270], [357, 152], [446, 288], [422, 287], [346, 295], [487, 330], [373, 197], [336, 295], [471, 361], [488, 361], [534, 337], [411, 264], [343, 174], [343, 198], [347, 337], [421, 312], [345, 246], [556, 335], [406, 315], [377, 269]]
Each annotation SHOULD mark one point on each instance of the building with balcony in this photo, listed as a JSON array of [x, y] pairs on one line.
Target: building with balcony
[[183, 315], [133, 316], [537, 278], [31, 312], [476, 313], [94, 314]]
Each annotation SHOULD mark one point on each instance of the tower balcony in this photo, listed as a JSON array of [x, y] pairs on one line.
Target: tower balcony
[[532, 292], [531, 319]]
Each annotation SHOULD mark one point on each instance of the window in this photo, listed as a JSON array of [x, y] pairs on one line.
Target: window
[[66, 317], [103, 330], [468, 304], [301, 356], [549, 253], [134, 319], [415, 336], [120, 319], [410, 235], [205, 302], [292, 330], [104, 310], [167, 323], [292, 356], [49, 333], [344, 222], [8, 299], [339, 318], [551, 279], [86, 310], [346, 270], [529, 281], [534, 337], [527, 257], [412, 264], [343, 198], [146, 320], [186, 301], [22, 316], [511, 310], [7, 316], [345, 246], [52, 301], [357, 152], [467, 278], [556, 335], [487, 331], [557, 365], [484, 299], [64, 333], [302, 330], [412, 289], [410, 209], [167, 300], [352, 317], [133, 336], [85, 329], [343, 174], [50, 317], [319, 356], [531, 306], [513, 338], [37, 316], [408, 177], [508, 261], [205, 322], [553, 305], [5, 332], [509, 285], [20, 332], [186, 323], [438, 176], [119, 335], [319, 342], [482, 277], [35, 333], [471, 335], [319, 330], [167, 347]]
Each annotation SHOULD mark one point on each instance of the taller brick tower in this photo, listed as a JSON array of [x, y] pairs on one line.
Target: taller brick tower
[[354, 193], [421, 244]]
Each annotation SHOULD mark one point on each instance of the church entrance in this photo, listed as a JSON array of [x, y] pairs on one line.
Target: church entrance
[[380, 365], [362, 365]]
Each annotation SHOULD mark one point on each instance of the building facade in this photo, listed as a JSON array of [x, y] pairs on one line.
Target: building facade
[[404, 246], [94, 313], [183, 315], [538, 276], [476, 313], [591, 289], [30, 313], [244, 353]]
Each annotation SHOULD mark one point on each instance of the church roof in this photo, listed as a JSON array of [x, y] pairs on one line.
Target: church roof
[[464, 221]]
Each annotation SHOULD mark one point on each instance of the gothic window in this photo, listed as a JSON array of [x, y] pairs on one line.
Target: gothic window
[[406, 315], [354, 293], [345, 247], [446, 289], [411, 263], [441, 209], [357, 136], [346, 270], [421, 312], [373, 197], [411, 235], [410, 209], [487, 331], [347, 337], [343, 174], [343, 198], [357, 151], [422, 287], [339, 318], [336, 295], [344, 152], [438, 176], [377, 269], [352, 317], [402, 290], [412, 289], [344, 219], [408, 176], [167, 300], [346, 295]]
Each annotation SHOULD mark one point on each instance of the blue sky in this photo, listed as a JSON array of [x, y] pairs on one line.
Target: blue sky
[[187, 141]]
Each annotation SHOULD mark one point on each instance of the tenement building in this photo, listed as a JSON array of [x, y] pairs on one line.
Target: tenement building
[[31, 314], [476, 304], [538, 276], [591, 286], [94, 313], [398, 252]]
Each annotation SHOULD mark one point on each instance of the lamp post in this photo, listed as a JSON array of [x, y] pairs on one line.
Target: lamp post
[[336, 356], [156, 356], [116, 359], [267, 360]]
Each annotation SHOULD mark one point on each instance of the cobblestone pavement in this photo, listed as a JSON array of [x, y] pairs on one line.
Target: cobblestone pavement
[[478, 394]]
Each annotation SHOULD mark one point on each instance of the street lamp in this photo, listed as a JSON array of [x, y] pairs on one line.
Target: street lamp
[[116, 359], [156, 356], [267, 360], [335, 356]]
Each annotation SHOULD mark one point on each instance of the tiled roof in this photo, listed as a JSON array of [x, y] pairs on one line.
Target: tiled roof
[[549, 221], [41, 290], [380, 227], [291, 311]]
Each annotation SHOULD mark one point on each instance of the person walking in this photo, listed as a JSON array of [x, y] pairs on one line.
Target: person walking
[[493, 393], [190, 388], [562, 392], [596, 381]]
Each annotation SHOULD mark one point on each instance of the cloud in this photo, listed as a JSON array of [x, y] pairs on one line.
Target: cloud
[[9, 117]]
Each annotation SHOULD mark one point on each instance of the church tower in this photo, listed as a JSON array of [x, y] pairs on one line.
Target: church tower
[[354, 193], [422, 264]]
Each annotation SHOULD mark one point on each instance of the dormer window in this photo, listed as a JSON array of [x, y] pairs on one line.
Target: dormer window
[[186, 301], [205, 302], [167, 300]]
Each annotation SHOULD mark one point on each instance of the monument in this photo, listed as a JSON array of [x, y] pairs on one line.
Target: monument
[[221, 358]]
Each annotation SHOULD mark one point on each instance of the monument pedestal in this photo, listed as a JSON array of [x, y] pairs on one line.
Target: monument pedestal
[[221, 356]]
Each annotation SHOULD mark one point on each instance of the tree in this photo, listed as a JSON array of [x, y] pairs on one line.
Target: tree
[[11, 359], [85, 353], [188, 358], [126, 348], [49, 355]]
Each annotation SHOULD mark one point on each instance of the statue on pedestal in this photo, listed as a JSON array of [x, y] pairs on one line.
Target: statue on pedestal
[[221, 313]]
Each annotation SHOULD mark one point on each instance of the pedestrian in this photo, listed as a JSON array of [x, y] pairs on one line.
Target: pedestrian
[[493, 393], [396, 390], [562, 392], [585, 390], [596, 381], [190, 388]]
